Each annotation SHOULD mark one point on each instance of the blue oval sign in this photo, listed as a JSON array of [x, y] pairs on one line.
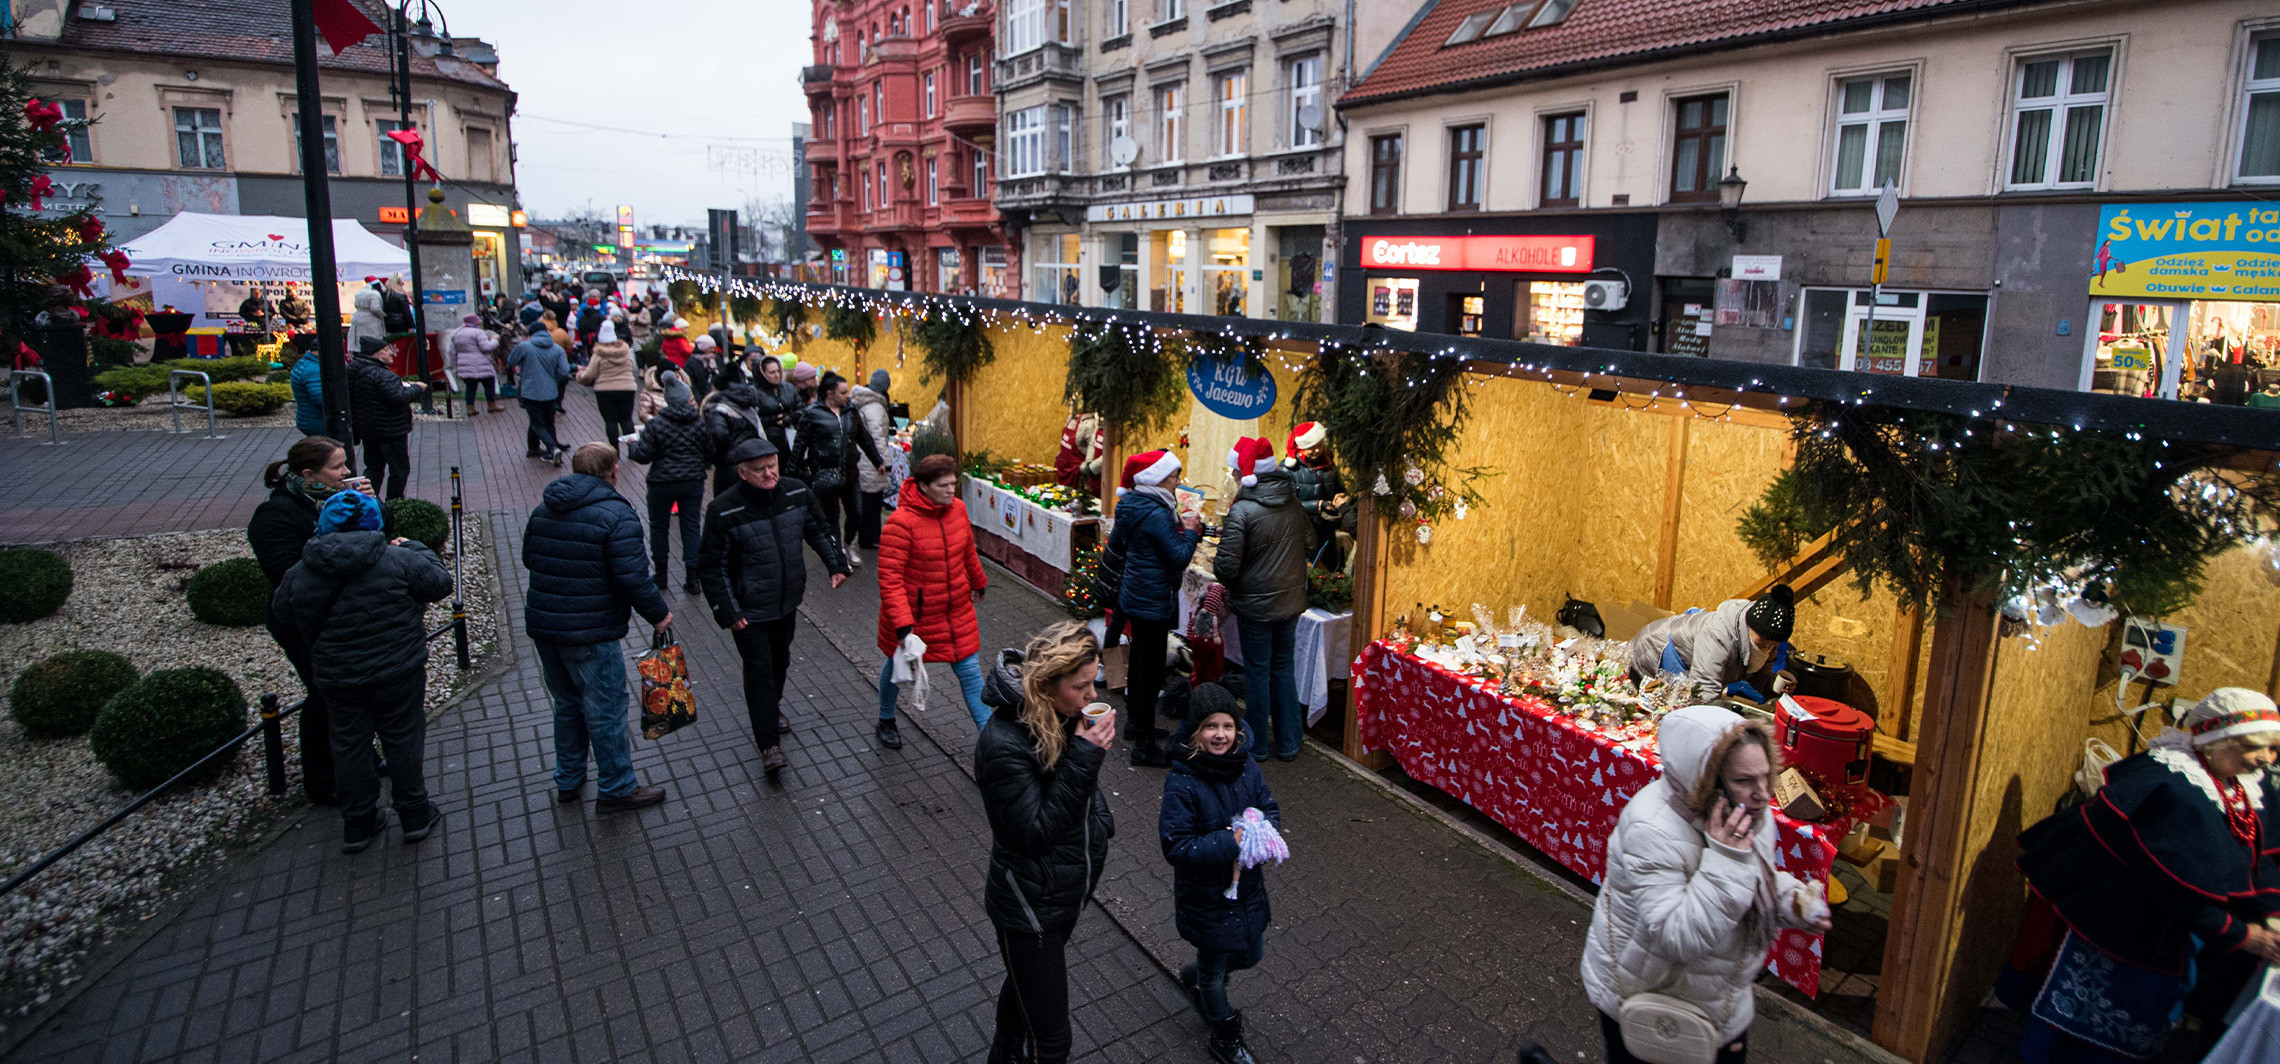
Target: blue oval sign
[[1230, 388]]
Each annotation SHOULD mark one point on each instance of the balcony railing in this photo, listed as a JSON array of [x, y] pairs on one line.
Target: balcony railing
[[961, 28], [968, 211], [969, 112], [1041, 190], [1049, 61]]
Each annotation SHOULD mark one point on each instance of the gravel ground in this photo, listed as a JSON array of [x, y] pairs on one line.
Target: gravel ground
[[128, 598]]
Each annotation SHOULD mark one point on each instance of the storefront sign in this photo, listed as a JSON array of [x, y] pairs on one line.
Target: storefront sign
[[1757, 267], [1515, 254], [395, 215], [487, 215], [2227, 251], [1231, 388], [1155, 210]]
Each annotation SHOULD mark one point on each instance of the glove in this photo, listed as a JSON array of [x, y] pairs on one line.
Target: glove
[[1742, 688]]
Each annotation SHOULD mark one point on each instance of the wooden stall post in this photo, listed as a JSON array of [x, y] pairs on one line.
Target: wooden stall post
[[1919, 949], [1674, 492], [1370, 563], [954, 393], [1111, 469]]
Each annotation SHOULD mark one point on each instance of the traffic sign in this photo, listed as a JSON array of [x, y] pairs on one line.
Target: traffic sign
[[1887, 205], [1883, 259]]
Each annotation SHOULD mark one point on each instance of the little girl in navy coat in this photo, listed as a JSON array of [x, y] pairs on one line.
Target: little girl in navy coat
[[1212, 780]]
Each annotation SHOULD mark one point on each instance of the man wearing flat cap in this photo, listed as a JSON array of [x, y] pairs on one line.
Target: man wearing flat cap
[[754, 577]]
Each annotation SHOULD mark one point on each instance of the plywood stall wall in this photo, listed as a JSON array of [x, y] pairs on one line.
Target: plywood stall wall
[[2231, 631], [905, 363], [1014, 405]]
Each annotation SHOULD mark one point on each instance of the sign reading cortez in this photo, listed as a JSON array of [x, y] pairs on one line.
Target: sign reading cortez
[[2227, 251], [1513, 254]]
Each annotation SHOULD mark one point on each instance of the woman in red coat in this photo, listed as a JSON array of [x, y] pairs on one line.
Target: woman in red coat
[[929, 580]]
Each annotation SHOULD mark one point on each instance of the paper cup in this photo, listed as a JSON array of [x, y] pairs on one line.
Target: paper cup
[[1097, 711]]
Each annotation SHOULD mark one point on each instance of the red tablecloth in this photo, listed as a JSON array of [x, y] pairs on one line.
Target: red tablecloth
[[1556, 785]]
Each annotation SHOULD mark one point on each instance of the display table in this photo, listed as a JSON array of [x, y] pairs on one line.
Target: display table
[[1323, 638], [1555, 784], [1038, 544]]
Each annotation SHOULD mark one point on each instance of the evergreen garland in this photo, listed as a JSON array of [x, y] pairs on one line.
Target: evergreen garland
[[1392, 420], [743, 308], [851, 323], [1917, 499], [1133, 383], [952, 348], [688, 295], [789, 315], [1248, 351]]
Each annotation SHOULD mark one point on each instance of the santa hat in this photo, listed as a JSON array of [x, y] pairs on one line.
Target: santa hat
[[1251, 456], [1151, 469], [1304, 436]]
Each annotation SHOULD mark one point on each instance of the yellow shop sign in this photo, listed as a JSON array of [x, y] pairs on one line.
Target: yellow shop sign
[[2228, 251]]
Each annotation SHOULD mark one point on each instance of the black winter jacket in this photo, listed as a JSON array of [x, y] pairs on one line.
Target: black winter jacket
[[778, 404], [750, 564], [1263, 547], [1316, 487], [379, 402], [588, 567], [280, 531], [1193, 828], [731, 417], [362, 599], [674, 445], [1156, 552], [1049, 830], [396, 311], [827, 443]]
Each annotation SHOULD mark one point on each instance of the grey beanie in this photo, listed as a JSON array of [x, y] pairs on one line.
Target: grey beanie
[[674, 388], [879, 381]]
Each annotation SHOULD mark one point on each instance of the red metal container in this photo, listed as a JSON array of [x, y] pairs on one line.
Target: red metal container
[[1831, 738]]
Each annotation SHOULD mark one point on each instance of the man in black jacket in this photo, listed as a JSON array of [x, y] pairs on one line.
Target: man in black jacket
[[356, 599], [587, 575], [1264, 542], [827, 436], [677, 451], [380, 407], [754, 577]]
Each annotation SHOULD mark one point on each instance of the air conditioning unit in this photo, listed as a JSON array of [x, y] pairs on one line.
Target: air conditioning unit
[[1605, 295]]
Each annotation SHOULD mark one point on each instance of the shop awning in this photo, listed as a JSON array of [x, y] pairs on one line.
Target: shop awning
[[257, 247]]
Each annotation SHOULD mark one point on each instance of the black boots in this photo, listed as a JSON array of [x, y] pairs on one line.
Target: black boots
[[1018, 1054], [1227, 1041], [1148, 753]]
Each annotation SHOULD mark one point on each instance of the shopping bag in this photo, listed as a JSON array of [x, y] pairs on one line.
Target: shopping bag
[[666, 702], [910, 672]]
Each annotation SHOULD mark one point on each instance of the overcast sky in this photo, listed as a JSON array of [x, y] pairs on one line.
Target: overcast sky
[[714, 76]]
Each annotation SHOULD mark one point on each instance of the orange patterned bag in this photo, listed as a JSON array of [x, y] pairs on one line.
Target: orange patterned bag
[[666, 703]]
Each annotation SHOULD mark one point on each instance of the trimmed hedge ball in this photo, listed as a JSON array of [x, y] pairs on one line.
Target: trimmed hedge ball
[[33, 583], [164, 722], [232, 593], [59, 696], [420, 521]]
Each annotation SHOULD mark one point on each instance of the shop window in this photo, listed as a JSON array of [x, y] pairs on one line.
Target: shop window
[[2231, 353], [1053, 269], [1385, 174], [1917, 334], [1304, 76], [2058, 117], [1231, 92], [1465, 152], [77, 148], [1563, 161], [1123, 251], [946, 277], [1687, 307], [1548, 312], [1872, 133], [1393, 302], [1747, 304], [1168, 289], [198, 138], [332, 142], [2260, 118], [1298, 273], [1465, 313], [1171, 123], [1698, 150], [1227, 270], [990, 272]]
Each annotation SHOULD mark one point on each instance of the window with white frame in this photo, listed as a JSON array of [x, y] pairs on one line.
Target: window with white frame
[[1024, 25], [77, 148], [2260, 116], [1232, 94], [980, 189], [2058, 118], [1064, 156], [929, 6], [933, 182], [332, 142], [198, 138], [866, 188], [974, 83], [862, 116], [1119, 18], [1872, 133], [879, 100], [928, 81], [1062, 25], [391, 152], [1167, 10], [1116, 120], [1171, 123], [1023, 142], [1304, 76]]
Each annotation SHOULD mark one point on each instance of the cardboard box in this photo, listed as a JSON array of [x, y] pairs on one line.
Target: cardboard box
[[1796, 797], [1624, 621]]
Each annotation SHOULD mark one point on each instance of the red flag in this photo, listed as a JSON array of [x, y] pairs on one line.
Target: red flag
[[343, 23]]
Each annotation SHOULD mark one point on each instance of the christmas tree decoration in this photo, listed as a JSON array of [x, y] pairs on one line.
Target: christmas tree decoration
[[49, 259], [1408, 509], [1424, 533], [1460, 508], [1381, 487]]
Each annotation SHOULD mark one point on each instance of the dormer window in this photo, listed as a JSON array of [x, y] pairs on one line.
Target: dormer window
[[1470, 29]]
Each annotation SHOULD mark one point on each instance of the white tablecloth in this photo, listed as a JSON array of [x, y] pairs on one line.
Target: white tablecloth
[[1323, 639], [1042, 532], [2255, 1036]]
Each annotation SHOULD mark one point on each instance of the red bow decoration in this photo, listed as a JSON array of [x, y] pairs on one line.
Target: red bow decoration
[[42, 116], [41, 186], [90, 230], [412, 142], [26, 358], [118, 262], [80, 280]]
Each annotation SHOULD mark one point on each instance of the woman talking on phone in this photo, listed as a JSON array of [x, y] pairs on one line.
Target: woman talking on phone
[[1037, 763], [1692, 899]]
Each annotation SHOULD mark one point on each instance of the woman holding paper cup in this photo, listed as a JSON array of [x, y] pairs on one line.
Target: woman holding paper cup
[[1692, 898], [929, 579]]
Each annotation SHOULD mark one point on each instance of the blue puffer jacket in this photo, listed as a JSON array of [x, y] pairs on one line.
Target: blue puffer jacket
[[1193, 826], [544, 368], [1156, 552], [309, 395], [588, 565]]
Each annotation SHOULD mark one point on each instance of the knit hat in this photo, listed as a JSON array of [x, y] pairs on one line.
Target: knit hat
[[1304, 436], [471, 319], [1251, 456], [370, 345], [1774, 614], [2230, 711], [757, 447], [705, 343], [805, 371], [879, 381], [680, 323], [673, 387], [1206, 699], [607, 334], [1150, 469], [348, 511]]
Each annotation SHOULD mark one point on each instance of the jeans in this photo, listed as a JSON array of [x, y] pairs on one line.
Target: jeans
[[1033, 1003], [766, 647], [1734, 1052], [489, 386], [388, 461], [838, 511], [1212, 967], [587, 681], [969, 670], [617, 414], [397, 712], [1146, 678], [539, 438], [663, 495], [1270, 685], [872, 505]]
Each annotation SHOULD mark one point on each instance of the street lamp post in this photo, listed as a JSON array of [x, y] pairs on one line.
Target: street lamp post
[[400, 29], [324, 275]]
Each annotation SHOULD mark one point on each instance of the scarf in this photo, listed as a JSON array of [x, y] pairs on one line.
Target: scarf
[[1218, 768], [1163, 495], [314, 491]]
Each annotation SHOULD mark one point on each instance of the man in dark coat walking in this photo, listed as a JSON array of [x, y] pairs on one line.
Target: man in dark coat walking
[[1263, 547], [678, 452], [380, 407], [587, 576], [754, 578]]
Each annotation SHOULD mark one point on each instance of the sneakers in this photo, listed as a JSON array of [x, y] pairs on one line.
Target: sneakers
[[889, 736], [772, 761], [637, 798], [854, 560], [357, 838], [556, 459], [425, 828]]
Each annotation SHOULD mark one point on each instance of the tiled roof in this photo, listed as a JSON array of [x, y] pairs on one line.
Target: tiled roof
[[254, 31], [1604, 32]]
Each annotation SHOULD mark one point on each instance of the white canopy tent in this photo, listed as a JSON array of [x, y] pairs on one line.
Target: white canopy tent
[[257, 247]]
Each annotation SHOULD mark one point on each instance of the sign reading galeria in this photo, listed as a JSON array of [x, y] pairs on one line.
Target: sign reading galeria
[[1517, 254], [2227, 251], [1190, 207]]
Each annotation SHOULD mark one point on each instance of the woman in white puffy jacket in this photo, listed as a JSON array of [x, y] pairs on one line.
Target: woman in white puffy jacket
[[1692, 898]]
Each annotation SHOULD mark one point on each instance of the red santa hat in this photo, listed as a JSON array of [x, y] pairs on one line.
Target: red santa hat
[[1251, 456], [1151, 469], [1304, 436]]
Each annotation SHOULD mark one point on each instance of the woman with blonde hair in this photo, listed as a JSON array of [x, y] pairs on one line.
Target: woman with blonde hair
[[1037, 763]]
